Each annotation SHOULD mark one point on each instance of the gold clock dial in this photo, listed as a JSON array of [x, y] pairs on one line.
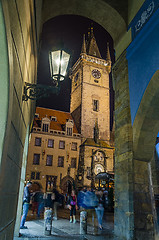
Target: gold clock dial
[[96, 73]]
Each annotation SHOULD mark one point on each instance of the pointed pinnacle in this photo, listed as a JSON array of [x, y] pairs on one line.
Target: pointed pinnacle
[[83, 50], [108, 58]]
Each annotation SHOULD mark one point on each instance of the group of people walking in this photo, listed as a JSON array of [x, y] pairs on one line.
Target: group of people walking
[[88, 200]]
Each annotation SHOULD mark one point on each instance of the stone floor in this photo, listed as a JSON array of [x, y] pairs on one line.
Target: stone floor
[[63, 229]]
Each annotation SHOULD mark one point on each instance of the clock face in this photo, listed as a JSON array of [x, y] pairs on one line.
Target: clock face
[[98, 168], [76, 77], [96, 73]]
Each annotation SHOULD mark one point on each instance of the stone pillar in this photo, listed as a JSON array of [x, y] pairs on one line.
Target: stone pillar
[[124, 212], [134, 218], [143, 211]]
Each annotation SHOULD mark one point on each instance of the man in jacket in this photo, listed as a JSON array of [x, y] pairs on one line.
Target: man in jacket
[[26, 203]]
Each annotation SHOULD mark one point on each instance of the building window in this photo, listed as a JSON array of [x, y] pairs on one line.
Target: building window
[[32, 175], [74, 146], [35, 175], [37, 141], [95, 105], [69, 131], [36, 160], [50, 143], [60, 161], [49, 160], [45, 127], [54, 119], [73, 162], [62, 144]]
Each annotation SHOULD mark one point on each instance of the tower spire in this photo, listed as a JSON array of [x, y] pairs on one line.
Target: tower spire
[[83, 50], [92, 47], [108, 58]]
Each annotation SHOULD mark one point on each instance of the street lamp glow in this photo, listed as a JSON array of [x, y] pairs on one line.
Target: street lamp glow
[[58, 64]]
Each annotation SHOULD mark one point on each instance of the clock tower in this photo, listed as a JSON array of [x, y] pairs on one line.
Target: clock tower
[[90, 109], [90, 95]]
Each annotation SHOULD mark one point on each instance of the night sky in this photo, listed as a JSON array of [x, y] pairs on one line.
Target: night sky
[[67, 32]]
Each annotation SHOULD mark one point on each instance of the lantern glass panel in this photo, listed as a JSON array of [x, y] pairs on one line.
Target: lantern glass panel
[[64, 63], [54, 62]]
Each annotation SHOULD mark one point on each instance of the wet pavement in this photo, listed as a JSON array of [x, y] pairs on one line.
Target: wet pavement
[[63, 229]]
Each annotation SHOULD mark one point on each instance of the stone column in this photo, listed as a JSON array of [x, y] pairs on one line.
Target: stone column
[[134, 213], [124, 212]]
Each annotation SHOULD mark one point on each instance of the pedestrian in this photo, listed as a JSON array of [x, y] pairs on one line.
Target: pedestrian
[[49, 197], [100, 209], [26, 203], [34, 200], [55, 203], [40, 203], [72, 204]]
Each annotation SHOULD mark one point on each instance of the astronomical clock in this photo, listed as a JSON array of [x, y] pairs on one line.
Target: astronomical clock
[[99, 162]]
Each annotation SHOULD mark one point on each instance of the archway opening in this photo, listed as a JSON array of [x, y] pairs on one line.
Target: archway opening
[[72, 36]]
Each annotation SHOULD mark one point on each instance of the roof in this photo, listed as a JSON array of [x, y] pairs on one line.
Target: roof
[[61, 117], [101, 143]]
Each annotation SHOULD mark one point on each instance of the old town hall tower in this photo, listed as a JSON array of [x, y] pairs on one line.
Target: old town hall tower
[[90, 108]]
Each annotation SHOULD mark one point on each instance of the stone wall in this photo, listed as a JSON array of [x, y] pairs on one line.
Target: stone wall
[[22, 59], [123, 154]]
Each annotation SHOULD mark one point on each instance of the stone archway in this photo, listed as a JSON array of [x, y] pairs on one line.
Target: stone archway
[[145, 129], [106, 15]]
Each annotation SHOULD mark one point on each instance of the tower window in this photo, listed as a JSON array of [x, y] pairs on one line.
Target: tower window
[[95, 105]]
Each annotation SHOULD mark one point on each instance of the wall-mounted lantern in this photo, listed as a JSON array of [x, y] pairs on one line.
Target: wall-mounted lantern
[[58, 61]]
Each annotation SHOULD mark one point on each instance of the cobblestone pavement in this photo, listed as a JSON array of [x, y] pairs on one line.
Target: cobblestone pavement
[[63, 229]]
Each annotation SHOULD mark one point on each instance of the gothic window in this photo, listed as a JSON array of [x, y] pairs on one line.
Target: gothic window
[[37, 141], [95, 105], [60, 161], [49, 160], [50, 143], [73, 162], [74, 146], [36, 159], [62, 144]]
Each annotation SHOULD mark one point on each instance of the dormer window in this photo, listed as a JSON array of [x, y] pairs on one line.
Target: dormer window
[[69, 131], [54, 119], [36, 115], [45, 127], [69, 127], [45, 124]]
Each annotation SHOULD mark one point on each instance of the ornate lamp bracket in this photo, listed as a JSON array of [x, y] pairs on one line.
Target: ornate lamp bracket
[[37, 91]]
